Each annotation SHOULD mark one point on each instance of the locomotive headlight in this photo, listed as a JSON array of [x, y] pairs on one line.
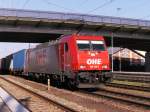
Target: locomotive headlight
[[82, 67], [104, 66]]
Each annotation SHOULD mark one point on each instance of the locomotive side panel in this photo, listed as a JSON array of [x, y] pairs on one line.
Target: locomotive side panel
[[53, 60], [43, 60]]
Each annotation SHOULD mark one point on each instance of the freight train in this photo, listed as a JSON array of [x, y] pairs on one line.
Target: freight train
[[69, 60], [5, 64]]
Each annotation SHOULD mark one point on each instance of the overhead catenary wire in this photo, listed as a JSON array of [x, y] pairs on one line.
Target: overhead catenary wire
[[11, 3], [83, 2], [59, 6], [144, 17], [135, 7], [25, 3], [138, 6], [101, 6], [1, 3], [147, 16]]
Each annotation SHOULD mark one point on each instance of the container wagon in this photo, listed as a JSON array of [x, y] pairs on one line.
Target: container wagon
[[4, 65], [18, 62], [70, 60]]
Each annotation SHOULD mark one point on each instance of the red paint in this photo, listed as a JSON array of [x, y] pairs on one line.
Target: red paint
[[87, 60]]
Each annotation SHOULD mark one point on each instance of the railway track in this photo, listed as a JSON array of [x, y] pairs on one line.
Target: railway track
[[121, 96], [140, 88], [133, 73], [85, 103], [88, 101], [132, 76], [47, 99]]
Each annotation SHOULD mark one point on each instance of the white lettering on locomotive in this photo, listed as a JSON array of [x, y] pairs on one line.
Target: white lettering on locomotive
[[93, 61]]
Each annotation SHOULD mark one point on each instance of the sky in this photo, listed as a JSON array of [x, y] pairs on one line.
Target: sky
[[136, 9]]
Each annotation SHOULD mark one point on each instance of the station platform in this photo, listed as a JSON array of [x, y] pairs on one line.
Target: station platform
[[138, 73], [9, 104], [3, 106]]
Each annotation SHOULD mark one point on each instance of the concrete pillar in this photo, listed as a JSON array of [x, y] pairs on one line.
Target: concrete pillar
[[147, 62]]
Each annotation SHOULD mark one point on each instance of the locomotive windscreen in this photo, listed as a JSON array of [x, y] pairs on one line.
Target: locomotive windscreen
[[90, 45], [98, 45], [83, 45]]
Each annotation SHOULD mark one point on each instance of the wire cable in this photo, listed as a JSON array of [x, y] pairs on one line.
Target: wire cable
[[101, 6], [84, 2], [11, 3], [25, 3], [135, 7], [145, 17], [56, 5]]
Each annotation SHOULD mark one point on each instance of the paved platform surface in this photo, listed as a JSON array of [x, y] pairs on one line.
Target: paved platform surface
[[9, 103], [137, 73], [3, 106]]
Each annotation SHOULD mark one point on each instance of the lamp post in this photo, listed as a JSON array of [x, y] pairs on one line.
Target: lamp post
[[29, 45], [118, 10], [120, 60], [112, 51]]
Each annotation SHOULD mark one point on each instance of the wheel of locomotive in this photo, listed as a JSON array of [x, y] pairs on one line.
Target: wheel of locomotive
[[65, 83], [46, 79], [33, 76], [107, 79], [72, 84], [58, 83], [101, 79], [30, 76], [52, 81]]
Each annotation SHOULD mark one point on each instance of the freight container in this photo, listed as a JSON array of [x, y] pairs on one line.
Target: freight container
[[4, 65], [43, 60], [19, 61]]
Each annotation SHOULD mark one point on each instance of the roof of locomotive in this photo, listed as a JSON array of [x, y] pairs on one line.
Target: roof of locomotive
[[66, 37], [47, 44], [83, 37]]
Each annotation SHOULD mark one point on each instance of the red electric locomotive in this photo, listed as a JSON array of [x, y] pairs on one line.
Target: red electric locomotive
[[70, 60]]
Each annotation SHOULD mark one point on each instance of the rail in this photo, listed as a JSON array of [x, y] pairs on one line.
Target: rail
[[63, 107], [133, 99]]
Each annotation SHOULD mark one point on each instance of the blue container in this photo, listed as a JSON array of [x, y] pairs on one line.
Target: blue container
[[19, 60]]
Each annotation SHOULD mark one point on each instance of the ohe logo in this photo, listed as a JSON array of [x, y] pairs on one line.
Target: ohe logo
[[93, 61]]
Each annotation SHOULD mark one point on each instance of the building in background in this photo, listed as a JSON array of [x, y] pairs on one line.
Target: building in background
[[127, 60]]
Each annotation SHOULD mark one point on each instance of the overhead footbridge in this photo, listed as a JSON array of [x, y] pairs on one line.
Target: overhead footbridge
[[41, 26]]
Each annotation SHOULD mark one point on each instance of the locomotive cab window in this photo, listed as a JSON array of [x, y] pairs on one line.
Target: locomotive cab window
[[66, 47], [83, 44], [98, 45], [90, 45]]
